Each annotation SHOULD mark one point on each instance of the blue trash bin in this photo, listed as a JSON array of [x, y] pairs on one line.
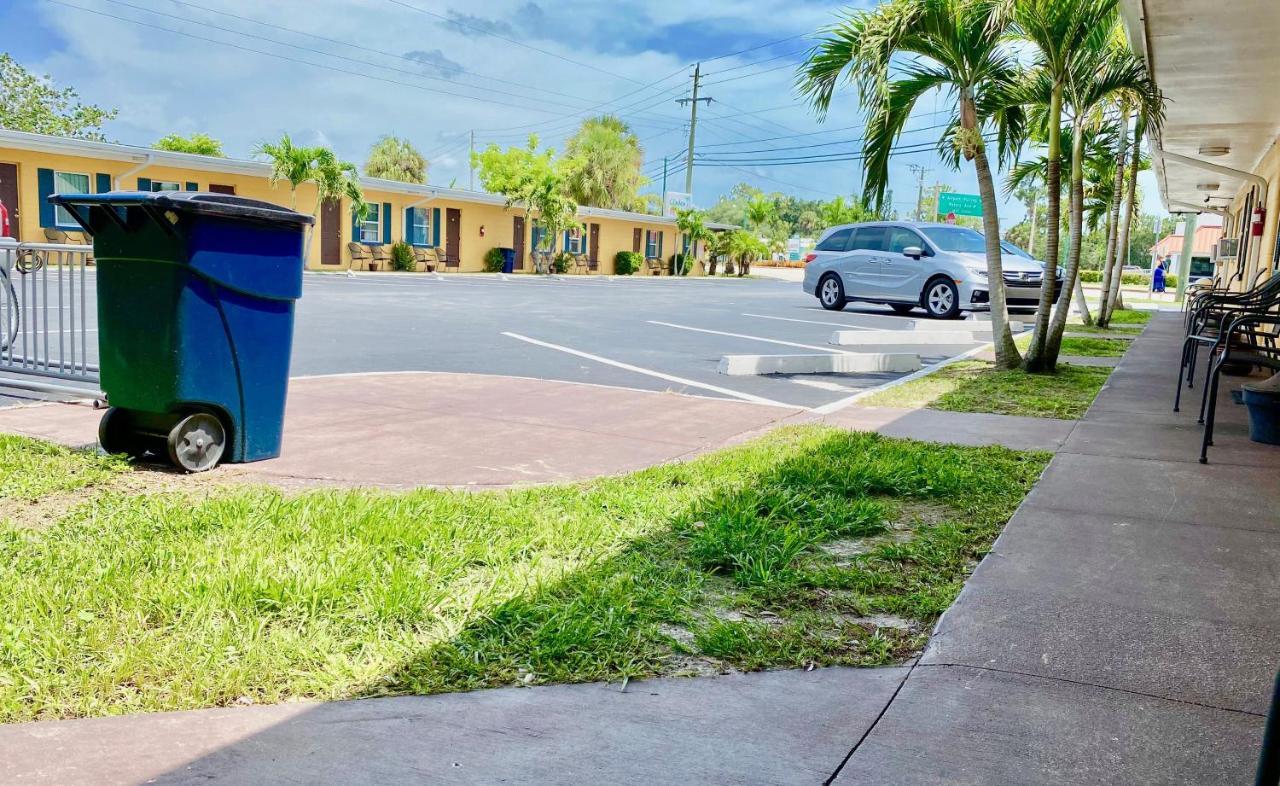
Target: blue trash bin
[[196, 297], [508, 260]]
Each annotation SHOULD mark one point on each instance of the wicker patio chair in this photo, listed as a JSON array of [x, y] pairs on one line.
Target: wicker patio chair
[[361, 256]]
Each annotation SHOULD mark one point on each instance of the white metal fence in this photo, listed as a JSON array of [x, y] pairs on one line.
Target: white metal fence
[[48, 318]]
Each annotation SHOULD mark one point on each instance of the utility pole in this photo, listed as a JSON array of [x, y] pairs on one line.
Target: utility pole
[[664, 186], [920, 172], [471, 161], [693, 125]]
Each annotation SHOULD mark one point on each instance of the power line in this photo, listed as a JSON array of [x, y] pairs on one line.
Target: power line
[[783, 182], [801, 160], [817, 133], [752, 74], [853, 140], [755, 63], [754, 48]]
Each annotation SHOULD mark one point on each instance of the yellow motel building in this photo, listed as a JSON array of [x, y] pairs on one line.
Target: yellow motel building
[[1219, 149], [450, 229]]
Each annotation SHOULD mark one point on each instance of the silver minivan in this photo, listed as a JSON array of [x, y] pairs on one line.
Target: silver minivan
[[938, 267]]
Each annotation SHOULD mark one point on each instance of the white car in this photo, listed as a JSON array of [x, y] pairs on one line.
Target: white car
[[938, 267]]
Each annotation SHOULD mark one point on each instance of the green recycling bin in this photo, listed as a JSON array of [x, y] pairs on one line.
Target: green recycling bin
[[196, 297]]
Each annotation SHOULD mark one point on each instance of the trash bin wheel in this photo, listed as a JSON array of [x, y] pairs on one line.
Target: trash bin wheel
[[197, 442], [116, 434]]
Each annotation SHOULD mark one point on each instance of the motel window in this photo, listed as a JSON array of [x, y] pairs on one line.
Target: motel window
[[371, 226], [165, 185], [68, 183], [537, 234], [573, 241], [652, 244], [419, 227]]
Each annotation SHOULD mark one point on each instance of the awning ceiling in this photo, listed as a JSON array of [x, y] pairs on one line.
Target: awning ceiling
[[1218, 64]]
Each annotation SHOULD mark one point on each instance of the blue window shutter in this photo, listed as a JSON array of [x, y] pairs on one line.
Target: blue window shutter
[[566, 240], [355, 227], [44, 180], [435, 226], [409, 236], [386, 222], [144, 184], [103, 184], [190, 186]]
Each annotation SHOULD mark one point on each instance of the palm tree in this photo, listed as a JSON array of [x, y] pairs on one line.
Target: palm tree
[[692, 223], [603, 163], [393, 158], [956, 47], [1136, 164], [334, 179], [1102, 75], [1063, 31], [289, 162], [759, 213]]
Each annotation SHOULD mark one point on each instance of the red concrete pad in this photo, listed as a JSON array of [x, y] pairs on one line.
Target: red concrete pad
[[432, 429]]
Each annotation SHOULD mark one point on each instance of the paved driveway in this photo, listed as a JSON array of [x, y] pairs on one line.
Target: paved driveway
[[646, 333]]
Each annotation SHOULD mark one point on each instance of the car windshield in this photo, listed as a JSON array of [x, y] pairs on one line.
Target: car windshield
[[1012, 249], [965, 241]]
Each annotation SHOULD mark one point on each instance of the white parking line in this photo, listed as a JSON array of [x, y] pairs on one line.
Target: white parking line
[[750, 338], [810, 321], [649, 372]]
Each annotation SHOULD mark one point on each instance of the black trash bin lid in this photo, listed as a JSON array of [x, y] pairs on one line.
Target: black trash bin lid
[[197, 202]]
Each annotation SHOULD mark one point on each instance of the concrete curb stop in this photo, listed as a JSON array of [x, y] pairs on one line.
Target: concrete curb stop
[[843, 363]]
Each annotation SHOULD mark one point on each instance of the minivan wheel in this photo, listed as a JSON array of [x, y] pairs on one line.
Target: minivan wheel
[[941, 299], [831, 293]]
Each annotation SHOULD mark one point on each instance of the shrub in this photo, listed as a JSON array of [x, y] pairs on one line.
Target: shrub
[[626, 262], [680, 262], [493, 260], [562, 261], [1091, 276], [402, 257]]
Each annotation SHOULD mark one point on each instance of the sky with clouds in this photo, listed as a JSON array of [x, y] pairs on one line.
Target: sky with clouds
[[345, 72]]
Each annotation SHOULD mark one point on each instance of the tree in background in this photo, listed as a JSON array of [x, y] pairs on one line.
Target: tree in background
[[900, 51], [760, 213], [744, 248], [532, 180], [692, 223], [199, 143], [393, 158], [808, 223], [32, 103], [300, 164], [602, 165], [1030, 195]]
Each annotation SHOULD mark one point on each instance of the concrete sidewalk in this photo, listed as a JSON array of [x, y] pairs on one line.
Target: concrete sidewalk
[[1125, 627]]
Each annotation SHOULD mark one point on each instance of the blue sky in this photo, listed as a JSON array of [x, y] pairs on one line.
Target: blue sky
[[345, 72]]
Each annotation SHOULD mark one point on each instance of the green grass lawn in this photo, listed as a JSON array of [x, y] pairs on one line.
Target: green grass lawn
[[976, 386], [808, 546], [30, 470], [1100, 347]]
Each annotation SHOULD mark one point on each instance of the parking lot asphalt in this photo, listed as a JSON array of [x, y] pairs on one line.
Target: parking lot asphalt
[[643, 333]]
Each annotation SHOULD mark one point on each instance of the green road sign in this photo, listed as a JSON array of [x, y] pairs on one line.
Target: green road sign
[[960, 204]]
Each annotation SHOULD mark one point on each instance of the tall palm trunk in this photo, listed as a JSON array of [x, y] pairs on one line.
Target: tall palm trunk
[[1006, 351], [1053, 222], [1076, 232], [1031, 241], [1109, 261], [1126, 226]]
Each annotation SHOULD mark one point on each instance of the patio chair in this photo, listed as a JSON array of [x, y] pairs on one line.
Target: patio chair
[[1205, 320], [361, 256], [653, 265], [541, 261], [448, 260], [581, 264], [381, 258], [424, 259], [1250, 338]]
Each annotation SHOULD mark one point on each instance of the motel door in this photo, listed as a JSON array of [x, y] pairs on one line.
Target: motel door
[[517, 234], [9, 196], [453, 236], [331, 232], [593, 250]]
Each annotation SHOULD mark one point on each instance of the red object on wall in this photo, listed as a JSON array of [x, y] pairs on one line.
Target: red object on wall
[[1258, 222]]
